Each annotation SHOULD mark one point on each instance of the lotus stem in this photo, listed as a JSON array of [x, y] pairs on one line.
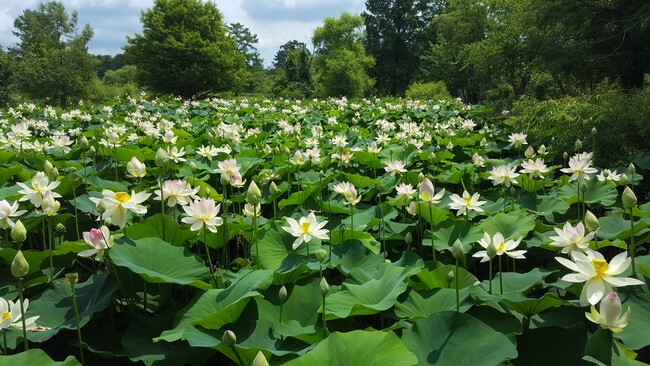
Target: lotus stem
[[207, 252], [433, 247], [490, 269], [457, 289], [500, 277], [22, 312], [257, 248], [76, 315], [632, 244]]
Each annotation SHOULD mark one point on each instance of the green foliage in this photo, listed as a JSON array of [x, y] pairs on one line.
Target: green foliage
[[52, 58], [122, 76], [294, 78], [434, 90], [5, 77], [184, 50], [340, 64]]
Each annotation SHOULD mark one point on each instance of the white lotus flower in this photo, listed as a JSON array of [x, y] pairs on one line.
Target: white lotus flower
[[501, 246], [534, 168], [394, 167], [118, 203], [203, 213], [428, 194], [10, 315], [580, 167], [100, 239], [305, 229], [504, 175], [135, 168], [466, 203], [610, 316], [39, 185], [7, 211], [176, 192], [572, 238]]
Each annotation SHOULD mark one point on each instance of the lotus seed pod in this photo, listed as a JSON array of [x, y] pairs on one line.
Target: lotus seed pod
[[253, 195], [72, 278], [408, 238], [282, 294], [260, 360], [321, 255], [324, 287], [18, 232], [19, 266], [591, 221], [457, 250], [229, 339], [629, 198]]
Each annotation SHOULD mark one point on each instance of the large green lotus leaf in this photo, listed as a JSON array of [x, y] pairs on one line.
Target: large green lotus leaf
[[370, 297], [597, 192], [360, 181], [275, 244], [438, 278], [362, 217], [530, 307], [445, 338], [8, 173], [447, 232], [10, 193], [125, 153], [616, 226], [432, 214], [298, 198], [636, 334], [160, 262], [340, 236], [152, 227], [35, 357], [100, 184], [511, 225], [505, 323], [55, 311], [216, 307], [353, 259], [139, 346], [551, 346], [517, 282], [543, 205], [602, 351], [358, 347], [421, 304]]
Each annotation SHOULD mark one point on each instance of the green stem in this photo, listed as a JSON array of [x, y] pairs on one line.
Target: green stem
[[22, 312], [257, 248], [207, 252], [111, 266], [500, 276], [324, 319], [632, 244], [433, 247], [490, 268], [5, 351], [49, 245], [144, 297], [76, 314], [239, 360], [162, 208], [76, 219], [457, 289]]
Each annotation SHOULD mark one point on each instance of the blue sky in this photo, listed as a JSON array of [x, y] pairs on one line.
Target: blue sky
[[274, 21]]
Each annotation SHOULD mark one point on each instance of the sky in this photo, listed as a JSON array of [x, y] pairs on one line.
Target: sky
[[274, 21]]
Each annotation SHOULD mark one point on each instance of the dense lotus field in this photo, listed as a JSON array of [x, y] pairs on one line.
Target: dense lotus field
[[331, 232]]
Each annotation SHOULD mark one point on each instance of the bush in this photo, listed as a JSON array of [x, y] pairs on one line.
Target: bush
[[433, 90], [621, 121]]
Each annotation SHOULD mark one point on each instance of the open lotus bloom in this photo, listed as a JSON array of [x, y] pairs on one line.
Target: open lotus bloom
[[11, 316], [610, 316], [305, 229]]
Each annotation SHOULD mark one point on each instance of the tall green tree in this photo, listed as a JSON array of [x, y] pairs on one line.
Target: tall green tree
[[281, 56], [245, 42], [397, 34], [184, 50], [52, 59], [293, 80], [340, 64], [5, 77]]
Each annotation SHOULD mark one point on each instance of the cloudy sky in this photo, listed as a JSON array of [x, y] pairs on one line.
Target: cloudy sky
[[274, 21]]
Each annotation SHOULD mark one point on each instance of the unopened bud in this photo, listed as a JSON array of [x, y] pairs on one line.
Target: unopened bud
[[253, 195], [542, 150], [224, 179], [483, 142], [92, 150], [260, 360], [565, 155], [108, 221], [282, 294], [629, 198], [594, 131], [101, 207], [273, 188], [72, 278], [421, 177], [408, 238], [591, 221], [161, 158], [55, 173], [450, 276], [83, 141], [321, 255], [60, 229], [632, 168], [457, 250], [19, 266], [18, 232], [624, 180], [583, 187], [324, 287], [530, 152], [578, 145], [48, 167], [491, 251], [193, 166], [229, 339]]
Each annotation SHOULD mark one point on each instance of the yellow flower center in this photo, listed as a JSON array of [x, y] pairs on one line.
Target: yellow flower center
[[305, 227], [6, 315], [501, 246], [600, 265], [122, 197], [468, 200]]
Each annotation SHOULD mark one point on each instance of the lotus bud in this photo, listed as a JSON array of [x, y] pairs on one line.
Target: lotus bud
[[18, 232], [161, 158], [92, 150], [450, 276], [578, 145], [629, 198], [253, 195], [73, 174], [324, 287], [457, 250], [55, 173], [101, 207], [267, 149], [530, 152], [412, 209], [48, 167], [624, 180], [483, 142], [260, 360], [565, 155], [229, 339], [594, 131], [610, 308], [542, 150], [193, 166], [83, 141], [282, 294], [224, 180], [273, 188], [408, 238], [450, 145], [583, 187], [321, 255], [421, 177], [426, 190], [108, 221], [632, 168], [432, 156], [491, 251], [19, 266], [287, 151], [72, 278], [591, 221]]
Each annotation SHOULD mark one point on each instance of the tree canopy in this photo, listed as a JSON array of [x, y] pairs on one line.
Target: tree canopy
[[184, 50]]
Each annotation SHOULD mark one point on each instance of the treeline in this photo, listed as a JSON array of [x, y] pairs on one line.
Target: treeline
[[492, 51]]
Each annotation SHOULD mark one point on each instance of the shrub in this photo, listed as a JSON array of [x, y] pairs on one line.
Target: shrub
[[433, 90]]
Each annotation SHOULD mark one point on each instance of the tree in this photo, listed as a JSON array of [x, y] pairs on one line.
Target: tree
[[340, 64], [397, 34], [245, 41], [281, 56], [52, 59], [184, 50], [5, 77], [110, 63], [293, 71]]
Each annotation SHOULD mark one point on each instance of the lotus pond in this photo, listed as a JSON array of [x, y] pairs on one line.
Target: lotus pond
[[324, 232]]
